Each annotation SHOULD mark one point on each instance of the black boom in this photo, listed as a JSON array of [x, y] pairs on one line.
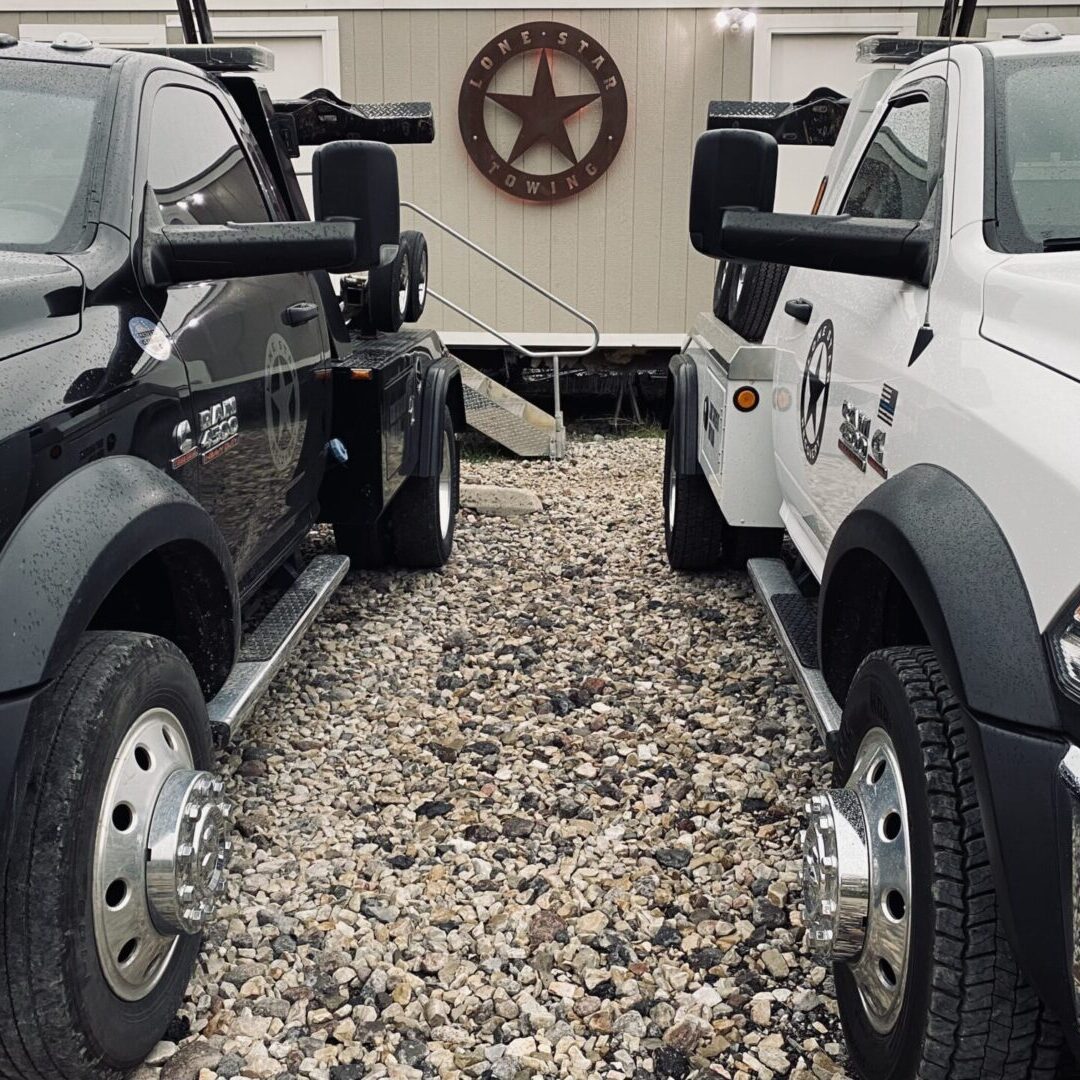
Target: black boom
[[195, 20]]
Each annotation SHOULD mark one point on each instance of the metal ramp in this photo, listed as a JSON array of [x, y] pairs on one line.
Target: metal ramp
[[490, 407], [506, 417]]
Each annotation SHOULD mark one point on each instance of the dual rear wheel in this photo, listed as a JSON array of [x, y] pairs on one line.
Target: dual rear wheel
[[416, 531]]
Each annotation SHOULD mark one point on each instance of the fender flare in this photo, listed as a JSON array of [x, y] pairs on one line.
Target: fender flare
[[75, 544], [938, 539], [941, 543], [682, 403], [441, 386]]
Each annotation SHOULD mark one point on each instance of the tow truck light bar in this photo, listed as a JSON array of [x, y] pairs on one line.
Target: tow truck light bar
[[890, 49], [217, 58]]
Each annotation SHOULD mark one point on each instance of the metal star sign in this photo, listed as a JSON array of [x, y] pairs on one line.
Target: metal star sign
[[543, 113]]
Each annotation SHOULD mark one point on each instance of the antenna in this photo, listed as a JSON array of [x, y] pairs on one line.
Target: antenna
[[195, 21], [951, 22]]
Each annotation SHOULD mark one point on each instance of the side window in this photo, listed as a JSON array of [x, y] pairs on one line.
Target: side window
[[196, 166], [893, 178]]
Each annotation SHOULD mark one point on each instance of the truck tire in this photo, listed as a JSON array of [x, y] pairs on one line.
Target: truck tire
[[417, 253], [423, 511], [366, 543], [696, 534], [693, 524], [959, 1007], [745, 296], [388, 293], [125, 714]]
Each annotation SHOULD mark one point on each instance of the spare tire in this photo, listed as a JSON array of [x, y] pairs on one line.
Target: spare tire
[[745, 295], [388, 292], [416, 251]]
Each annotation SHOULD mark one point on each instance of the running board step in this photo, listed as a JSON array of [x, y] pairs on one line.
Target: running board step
[[505, 417], [264, 651], [794, 619]]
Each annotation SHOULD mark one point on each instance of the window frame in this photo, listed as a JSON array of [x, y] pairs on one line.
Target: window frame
[[931, 89], [257, 181]]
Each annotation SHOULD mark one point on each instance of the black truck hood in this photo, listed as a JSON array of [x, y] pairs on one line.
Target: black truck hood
[[41, 298]]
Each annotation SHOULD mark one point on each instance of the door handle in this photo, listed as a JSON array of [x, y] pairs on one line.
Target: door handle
[[799, 309], [298, 314]]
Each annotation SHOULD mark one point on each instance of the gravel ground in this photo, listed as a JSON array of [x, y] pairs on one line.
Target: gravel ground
[[533, 815]]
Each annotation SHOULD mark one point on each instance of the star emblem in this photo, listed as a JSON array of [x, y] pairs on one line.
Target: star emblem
[[282, 395], [543, 113], [814, 396]]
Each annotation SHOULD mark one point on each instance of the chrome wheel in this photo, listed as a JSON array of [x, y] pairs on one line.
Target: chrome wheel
[[160, 852], [421, 280], [446, 486], [857, 878], [673, 484], [403, 287]]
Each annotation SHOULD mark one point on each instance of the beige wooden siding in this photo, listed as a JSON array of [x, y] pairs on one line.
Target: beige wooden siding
[[619, 250]]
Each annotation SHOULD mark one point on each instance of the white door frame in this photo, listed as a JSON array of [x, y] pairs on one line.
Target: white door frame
[[107, 34], [887, 22], [323, 27], [1011, 28]]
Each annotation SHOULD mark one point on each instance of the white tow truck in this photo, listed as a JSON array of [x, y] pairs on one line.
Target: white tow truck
[[880, 419]]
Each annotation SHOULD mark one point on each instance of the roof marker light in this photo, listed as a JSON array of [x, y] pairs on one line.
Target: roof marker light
[[1042, 31]]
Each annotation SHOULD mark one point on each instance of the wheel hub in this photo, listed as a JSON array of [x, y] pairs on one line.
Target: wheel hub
[[836, 875], [188, 853], [857, 878]]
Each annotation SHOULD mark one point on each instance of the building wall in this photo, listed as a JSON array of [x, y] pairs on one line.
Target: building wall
[[619, 250]]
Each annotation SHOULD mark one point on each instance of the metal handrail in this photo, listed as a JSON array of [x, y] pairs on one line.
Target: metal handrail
[[522, 349]]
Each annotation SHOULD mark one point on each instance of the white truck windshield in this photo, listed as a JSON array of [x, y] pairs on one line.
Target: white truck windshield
[[1037, 142], [47, 115]]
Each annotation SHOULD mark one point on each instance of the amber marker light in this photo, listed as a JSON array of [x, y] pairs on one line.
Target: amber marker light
[[360, 373], [820, 194], [746, 398]]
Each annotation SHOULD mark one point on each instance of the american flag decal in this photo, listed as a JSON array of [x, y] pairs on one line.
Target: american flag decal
[[887, 406]]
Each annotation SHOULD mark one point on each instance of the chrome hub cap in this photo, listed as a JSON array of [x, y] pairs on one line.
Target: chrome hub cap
[[673, 486], [446, 477], [857, 878], [188, 853], [403, 287], [421, 283], [159, 853]]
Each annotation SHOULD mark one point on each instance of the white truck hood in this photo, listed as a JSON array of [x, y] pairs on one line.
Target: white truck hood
[[1030, 305]]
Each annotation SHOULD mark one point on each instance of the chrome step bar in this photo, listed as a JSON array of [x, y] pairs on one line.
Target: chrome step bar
[[264, 651], [558, 436], [771, 579]]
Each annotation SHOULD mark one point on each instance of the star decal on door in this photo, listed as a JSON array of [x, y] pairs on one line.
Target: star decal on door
[[814, 395]]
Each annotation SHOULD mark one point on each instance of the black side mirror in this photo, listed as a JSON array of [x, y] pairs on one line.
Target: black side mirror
[[358, 181], [172, 254], [734, 169]]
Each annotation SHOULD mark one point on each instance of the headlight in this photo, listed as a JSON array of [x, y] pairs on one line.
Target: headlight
[[1065, 649]]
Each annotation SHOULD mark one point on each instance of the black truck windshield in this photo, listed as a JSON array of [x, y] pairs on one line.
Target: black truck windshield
[[47, 114], [1037, 173]]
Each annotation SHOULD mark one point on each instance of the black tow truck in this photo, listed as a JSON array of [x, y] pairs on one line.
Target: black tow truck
[[184, 393]]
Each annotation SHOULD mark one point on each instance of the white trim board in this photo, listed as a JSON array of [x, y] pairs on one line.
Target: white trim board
[[262, 6], [479, 339], [1010, 28], [108, 34], [841, 22], [324, 27]]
